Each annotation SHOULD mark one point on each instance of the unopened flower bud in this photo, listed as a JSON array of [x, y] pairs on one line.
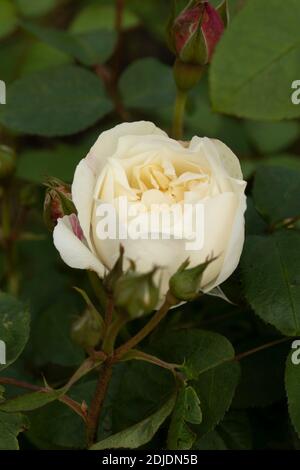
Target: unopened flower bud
[[185, 284], [136, 294], [195, 32], [87, 330], [7, 161], [58, 202]]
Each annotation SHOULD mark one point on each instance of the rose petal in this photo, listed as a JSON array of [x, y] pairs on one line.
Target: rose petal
[[73, 251], [82, 196], [234, 246], [106, 144]]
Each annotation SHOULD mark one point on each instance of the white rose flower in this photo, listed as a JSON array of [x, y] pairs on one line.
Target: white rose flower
[[140, 162]]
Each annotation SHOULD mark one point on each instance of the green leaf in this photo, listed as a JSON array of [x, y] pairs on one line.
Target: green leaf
[[53, 305], [93, 17], [210, 441], [255, 224], [198, 350], [270, 268], [10, 426], [149, 72], [216, 389], [292, 384], [35, 165], [51, 341], [153, 385], [201, 120], [30, 401], [40, 56], [276, 193], [90, 48], [262, 375], [56, 101], [233, 433], [8, 18], [271, 137], [208, 363], [236, 431], [46, 429], [286, 160], [14, 327], [186, 410], [140, 433], [33, 8], [263, 59]]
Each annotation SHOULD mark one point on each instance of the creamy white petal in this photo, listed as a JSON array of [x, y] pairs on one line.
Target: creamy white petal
[[229, 159], [73, 251], [82, 195], [219, 216], [106, 144], [234, 248]]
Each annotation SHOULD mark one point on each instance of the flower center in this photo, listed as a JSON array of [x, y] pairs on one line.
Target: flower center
[[168, 180]]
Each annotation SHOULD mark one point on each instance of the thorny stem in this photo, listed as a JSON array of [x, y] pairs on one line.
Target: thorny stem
[[112, 333], [106, 370], [74, 405], [98, 400]]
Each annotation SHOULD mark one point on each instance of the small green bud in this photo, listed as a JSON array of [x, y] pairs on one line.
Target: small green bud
[[7, 161], [185, 284], [87, 330], [136, 293], [58, 202]]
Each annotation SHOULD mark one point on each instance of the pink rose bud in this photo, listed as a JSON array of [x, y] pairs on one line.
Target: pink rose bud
[[58, 202], [195, 33]]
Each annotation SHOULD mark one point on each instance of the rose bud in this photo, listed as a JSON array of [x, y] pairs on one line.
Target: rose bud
[[87, 330], [7, 161], [57, 203], [185, 284], [195, 32], [136, 293]]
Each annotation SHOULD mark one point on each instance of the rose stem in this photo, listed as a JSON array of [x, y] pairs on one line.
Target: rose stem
[[178, 116], [238, 357], [74, 405], [106, 369], [109, 312], [97, 401], [153, 322]]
